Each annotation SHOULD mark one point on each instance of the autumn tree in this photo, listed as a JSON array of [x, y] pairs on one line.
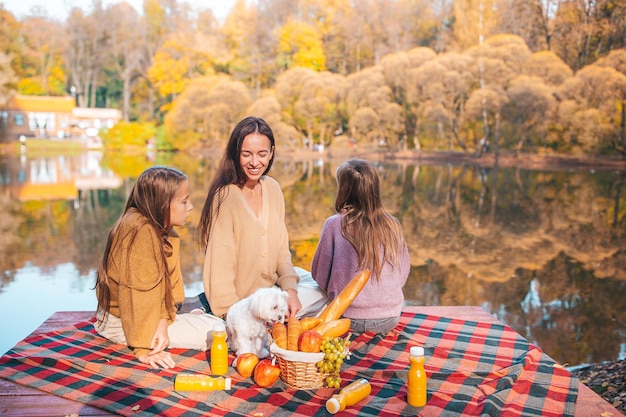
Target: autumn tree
[[549, 67], [474, 20], [10, 55], [591, 110], [368, 99], [300, 45], [586, 30], [124, 34], [250, 44], [205, 112], [268, 108], [85, 54], [617, 60], [44, 45], [288, 88], [438, 89], [395, 68], [486, 105], [529, 109]]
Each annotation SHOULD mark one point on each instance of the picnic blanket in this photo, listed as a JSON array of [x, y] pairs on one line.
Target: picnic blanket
[[474, 369]]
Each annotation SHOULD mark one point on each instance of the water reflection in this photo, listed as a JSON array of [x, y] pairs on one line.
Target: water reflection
[[544, 251]]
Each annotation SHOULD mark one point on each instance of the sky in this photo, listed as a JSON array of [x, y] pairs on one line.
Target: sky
[[59, 9]]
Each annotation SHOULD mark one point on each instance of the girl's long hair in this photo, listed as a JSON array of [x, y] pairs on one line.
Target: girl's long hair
[[151, 196], [230, 172], [376, 235]]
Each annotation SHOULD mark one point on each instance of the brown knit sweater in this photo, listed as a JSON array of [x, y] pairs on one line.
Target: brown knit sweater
[[137, 282]]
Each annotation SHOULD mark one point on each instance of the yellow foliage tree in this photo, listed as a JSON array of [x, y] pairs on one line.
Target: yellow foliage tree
[[300, 45], [168, 75]]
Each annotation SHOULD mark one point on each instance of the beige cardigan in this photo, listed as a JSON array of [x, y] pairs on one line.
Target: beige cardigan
[[137, 282], [245, 252]]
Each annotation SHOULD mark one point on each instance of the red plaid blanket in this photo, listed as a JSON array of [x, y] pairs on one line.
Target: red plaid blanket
[[474, 368]]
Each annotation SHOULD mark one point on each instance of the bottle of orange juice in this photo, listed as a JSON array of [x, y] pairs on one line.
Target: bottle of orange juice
[[219, 351], [199, 382], [416, 390], [349, 395]]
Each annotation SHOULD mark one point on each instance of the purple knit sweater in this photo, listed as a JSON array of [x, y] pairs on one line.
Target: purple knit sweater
[[336, 262]]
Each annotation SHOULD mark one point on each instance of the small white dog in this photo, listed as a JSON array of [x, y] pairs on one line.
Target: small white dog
[[247, 320]]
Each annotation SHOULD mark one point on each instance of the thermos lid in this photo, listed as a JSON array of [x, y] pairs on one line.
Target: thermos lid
[[417, 351], [219, 327]]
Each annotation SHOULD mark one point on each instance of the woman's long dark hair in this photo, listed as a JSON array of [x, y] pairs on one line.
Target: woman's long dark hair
[[365, 223], [230, 172], [151, 196]]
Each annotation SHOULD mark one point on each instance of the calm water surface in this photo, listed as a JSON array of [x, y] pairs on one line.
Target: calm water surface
[[544, 251]]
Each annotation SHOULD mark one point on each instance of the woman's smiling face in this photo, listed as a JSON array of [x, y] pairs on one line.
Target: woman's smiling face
[[256, 153]]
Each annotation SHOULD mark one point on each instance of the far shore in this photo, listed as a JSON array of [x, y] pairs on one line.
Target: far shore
[[530, 161], [553, 162]]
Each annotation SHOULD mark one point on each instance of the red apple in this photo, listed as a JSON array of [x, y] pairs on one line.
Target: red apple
[[266, 373], [309, 341], [246, 362]]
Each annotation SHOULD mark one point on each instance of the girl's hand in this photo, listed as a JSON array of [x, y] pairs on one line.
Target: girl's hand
[[293, 302], [161, 338], [158, 360]]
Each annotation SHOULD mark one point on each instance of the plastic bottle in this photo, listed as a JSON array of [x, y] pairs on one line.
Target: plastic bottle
[[199, 382], [416, 392], [349, 395], [219, 351]]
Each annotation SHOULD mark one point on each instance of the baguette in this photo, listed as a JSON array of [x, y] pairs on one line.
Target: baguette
[[338, 306]]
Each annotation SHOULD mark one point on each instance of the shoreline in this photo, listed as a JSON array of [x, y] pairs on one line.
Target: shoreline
[[487, 160], [607, 379]]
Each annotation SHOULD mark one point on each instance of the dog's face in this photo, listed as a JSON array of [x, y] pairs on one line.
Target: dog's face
[[270, 304]]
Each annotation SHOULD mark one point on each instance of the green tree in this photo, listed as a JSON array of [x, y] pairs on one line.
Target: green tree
[[85, 53], [124, 34]]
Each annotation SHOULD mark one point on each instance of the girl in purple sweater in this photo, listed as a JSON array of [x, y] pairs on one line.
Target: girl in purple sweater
[[362, 235]]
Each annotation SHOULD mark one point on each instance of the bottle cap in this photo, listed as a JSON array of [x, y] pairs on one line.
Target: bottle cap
[[333, 406], [227, 383], [417, 351], [219, 327]]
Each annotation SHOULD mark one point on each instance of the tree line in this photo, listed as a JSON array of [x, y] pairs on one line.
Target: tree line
[[472, 75]]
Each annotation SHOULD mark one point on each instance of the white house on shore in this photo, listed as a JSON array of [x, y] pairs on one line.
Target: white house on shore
[[53, 118]]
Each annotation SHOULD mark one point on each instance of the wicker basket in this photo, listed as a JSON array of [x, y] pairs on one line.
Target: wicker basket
[[299, 369]]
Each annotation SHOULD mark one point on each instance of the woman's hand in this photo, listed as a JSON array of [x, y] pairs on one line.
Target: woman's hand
[[293, 302], [158, 360]]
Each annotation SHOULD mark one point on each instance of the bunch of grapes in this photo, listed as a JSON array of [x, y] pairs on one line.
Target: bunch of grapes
[[335, 352]]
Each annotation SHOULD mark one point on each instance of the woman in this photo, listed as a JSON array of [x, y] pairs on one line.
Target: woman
[[139, 282], [362, 235], [242, 228]]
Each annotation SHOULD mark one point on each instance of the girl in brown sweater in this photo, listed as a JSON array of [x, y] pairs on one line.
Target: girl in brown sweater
[[139, 282]]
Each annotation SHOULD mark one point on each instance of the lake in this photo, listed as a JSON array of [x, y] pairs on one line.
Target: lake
[[544, 251]]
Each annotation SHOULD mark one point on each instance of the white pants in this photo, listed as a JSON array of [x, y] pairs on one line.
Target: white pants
[[312, 297], [188, 331]]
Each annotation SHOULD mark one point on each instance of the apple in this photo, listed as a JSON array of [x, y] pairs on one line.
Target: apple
[[309, 341], [246, 362], [266, 373]]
